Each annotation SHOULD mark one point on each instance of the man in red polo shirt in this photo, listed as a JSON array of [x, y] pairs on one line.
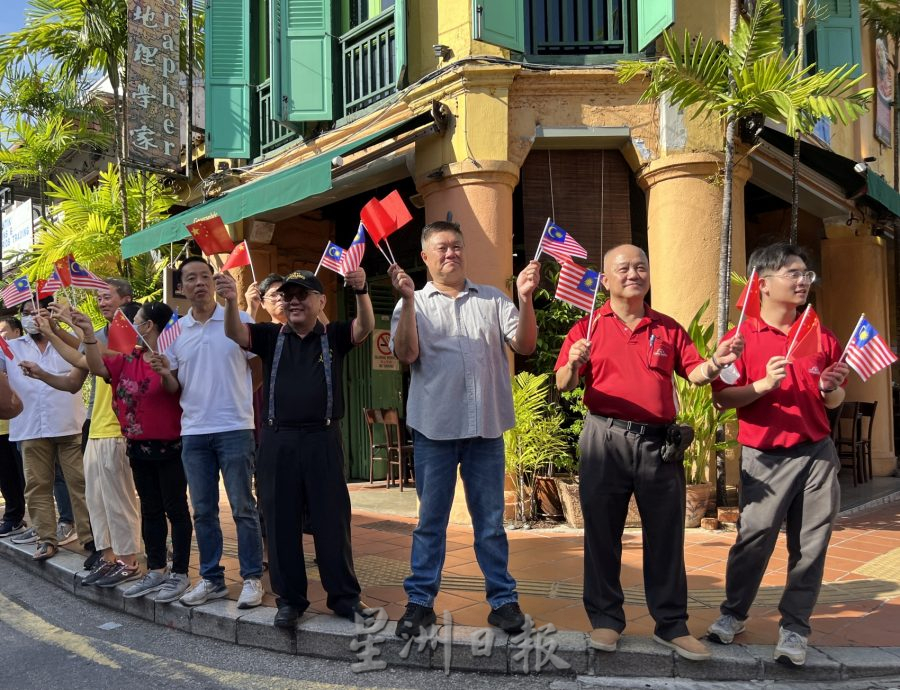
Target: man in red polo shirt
[[789, 464], [628, 367]]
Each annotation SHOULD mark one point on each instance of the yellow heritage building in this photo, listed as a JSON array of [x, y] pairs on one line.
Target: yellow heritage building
[[501, 113]]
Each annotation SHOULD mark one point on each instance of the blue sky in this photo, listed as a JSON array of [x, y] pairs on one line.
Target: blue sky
[[13, 15]]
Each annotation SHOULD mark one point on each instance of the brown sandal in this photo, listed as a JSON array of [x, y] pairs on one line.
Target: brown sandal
[[45, 550]]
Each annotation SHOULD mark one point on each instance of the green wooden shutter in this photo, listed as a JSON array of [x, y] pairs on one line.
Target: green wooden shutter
[[302, 60], [653, 17], [228, 78], [400, 40], [838, 35], [500, 23]]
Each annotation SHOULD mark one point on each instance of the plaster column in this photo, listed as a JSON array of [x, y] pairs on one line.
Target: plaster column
[[684, 220], [855, 280], [479, 197]]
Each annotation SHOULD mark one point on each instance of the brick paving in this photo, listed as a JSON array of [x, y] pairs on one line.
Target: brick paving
[[859, 604]]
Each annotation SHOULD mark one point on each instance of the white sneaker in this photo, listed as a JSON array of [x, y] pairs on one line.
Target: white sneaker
[[791, 648], [251, 594], [724, 629], [203, 591]]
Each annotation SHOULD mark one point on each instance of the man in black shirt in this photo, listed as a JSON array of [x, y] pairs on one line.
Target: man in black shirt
[[301, 461]]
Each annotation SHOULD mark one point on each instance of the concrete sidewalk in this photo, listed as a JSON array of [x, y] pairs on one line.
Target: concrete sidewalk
[[856, 629]]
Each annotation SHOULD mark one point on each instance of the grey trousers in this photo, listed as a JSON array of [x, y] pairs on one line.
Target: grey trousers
[[614, 465], [800, 485]]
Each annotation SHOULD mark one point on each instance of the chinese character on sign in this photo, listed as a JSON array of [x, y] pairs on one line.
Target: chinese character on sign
[[431, 638], [142, 138], [143, 96], [366, 649], [145, 55], [146, 16], [483, 642], [540, 643]]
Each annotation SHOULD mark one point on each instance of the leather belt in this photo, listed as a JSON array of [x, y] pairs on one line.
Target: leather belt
[[657, 431]]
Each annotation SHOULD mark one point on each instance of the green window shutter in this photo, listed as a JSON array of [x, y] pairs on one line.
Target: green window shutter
[[653, 17], [400, 31], [789, 10], [500, 23], [302, 60], [228, 78], [838, 35]]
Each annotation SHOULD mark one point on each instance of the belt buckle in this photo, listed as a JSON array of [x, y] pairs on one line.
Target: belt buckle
[[639, 429]]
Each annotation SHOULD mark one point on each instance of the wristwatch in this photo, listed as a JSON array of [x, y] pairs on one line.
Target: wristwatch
[[363, 291]]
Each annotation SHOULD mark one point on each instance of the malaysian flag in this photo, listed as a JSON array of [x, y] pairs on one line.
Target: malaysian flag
[[16, 292], [52, 284], [169, 333], [867, 352], [352, 257], [560, 244], [577, 286], [332, 258], [83, 278]]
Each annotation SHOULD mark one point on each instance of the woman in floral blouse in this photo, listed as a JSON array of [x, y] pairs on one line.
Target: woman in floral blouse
[[145, 397]]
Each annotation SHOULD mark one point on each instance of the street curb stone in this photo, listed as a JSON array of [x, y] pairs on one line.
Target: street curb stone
[[331, 637]]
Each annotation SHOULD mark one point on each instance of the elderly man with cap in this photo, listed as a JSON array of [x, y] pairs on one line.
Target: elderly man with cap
[[628, 447], [301, 461]]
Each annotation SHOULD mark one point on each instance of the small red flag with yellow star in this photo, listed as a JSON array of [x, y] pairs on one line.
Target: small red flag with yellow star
[[212, 235], [239, 257]]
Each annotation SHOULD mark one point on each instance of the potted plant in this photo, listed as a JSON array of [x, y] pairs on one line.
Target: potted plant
[[537, 440], [696, 408]]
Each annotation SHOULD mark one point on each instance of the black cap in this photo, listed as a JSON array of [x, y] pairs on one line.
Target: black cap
[[304, 279]]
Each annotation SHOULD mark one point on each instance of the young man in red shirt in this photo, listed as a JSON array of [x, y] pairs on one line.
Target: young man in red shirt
[[628, 365], [789, 464]]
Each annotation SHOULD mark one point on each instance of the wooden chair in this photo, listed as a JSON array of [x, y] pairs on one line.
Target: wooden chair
[[374, 421], [400, 454], [846, 439], [866, 420]]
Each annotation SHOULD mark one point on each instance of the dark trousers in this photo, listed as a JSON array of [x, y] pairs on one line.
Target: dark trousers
[[12, 481], [302, 470], [798, 485], [162, 490], [615, 464]]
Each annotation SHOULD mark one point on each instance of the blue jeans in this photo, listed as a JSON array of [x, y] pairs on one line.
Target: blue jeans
[[233, 454], [481, 466]]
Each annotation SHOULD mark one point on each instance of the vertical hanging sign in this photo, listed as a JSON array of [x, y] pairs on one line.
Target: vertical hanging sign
[[156, 87]]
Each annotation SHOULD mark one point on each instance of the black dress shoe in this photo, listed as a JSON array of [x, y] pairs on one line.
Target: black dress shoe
[[358, 609], [287, 616]]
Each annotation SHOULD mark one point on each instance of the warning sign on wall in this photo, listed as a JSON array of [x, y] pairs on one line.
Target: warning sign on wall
[[382, 357]]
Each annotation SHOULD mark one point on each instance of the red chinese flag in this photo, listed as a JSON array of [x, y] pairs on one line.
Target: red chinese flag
[[379, 223], [62, 270], [239, 257], [750, 298], [122, 336], [808, 336], [5, 347], [396, 209], [42, 290], [212, 236]]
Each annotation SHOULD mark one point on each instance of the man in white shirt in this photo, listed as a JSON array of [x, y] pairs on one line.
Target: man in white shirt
[[217, 435], [48, 429]]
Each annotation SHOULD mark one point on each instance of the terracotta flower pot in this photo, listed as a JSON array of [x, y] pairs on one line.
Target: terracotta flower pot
[[696, 497]]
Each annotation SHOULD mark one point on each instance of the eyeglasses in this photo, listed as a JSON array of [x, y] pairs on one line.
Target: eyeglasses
[[300, 295], [273, 297], [795, 276]]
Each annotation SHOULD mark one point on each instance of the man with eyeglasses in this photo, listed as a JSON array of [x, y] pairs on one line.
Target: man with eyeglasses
[[301, 461], [789, 464], [265, 294]]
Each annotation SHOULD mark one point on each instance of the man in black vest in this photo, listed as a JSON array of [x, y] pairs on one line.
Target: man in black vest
[[301, 461]]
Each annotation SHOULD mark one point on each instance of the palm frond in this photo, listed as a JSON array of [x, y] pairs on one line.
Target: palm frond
[[757, 38]]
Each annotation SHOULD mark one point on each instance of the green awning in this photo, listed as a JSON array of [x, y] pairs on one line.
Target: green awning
[[274, 191], [882, 192]]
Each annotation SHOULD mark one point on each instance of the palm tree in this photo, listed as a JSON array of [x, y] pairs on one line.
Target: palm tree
[[33, 149], [749, 76], [86, 222]]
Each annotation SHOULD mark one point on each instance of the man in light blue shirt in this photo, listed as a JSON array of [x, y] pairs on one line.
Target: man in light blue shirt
[[454, 334]]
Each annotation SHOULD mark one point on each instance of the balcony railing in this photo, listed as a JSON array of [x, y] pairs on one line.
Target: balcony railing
[[272, 134], [577, 27], [369, 62]]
